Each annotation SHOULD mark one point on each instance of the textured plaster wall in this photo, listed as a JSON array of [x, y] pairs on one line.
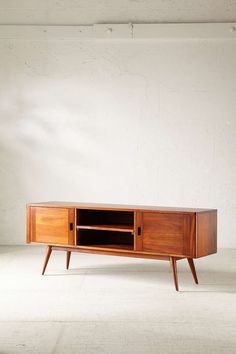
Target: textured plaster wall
[[120, 121], [115, 11]]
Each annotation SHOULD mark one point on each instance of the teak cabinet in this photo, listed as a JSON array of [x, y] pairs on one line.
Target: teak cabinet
[[121, 230], [52, 225]]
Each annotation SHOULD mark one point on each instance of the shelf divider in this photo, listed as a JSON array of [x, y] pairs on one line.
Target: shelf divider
[[120, 228]]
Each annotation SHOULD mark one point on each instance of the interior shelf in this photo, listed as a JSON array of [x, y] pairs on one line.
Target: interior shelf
[[109, 246], [105, 239], [105, 229], [121, 228]]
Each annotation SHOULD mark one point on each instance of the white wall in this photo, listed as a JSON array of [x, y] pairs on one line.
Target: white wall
[[120, 121], [84, 12]]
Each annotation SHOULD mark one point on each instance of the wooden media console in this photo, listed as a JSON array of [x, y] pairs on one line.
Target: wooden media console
[[124, 230]]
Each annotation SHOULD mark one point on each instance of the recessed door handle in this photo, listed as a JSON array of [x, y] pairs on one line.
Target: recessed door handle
[[139, 231], [71, 226]]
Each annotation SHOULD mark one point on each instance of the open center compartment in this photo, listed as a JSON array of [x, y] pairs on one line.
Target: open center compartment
[[105, 229]]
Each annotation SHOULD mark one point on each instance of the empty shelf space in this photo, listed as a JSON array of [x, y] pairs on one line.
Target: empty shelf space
[[105, 239], [105, 229], [121, 228], [115, 219]]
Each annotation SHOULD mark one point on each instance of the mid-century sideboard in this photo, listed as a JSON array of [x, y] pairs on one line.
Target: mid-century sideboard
[[124, 230]]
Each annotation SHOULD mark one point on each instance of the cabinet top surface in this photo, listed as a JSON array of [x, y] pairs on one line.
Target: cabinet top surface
[[117, 207]]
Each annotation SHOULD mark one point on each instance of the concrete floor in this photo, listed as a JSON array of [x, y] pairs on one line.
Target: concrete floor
[[115, 305]]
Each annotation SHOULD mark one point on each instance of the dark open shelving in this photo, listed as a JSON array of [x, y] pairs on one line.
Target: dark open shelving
[[105, 229]]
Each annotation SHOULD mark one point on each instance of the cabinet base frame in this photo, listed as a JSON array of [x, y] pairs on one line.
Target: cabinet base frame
[[172, 259]]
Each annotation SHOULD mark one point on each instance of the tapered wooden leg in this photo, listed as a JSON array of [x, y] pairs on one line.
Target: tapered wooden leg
[[174, 271], [193, 270], [48, 254], [68, 254]]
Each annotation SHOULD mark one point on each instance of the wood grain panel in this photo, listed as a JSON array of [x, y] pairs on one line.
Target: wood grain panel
[[190, 235], [206, 233], [28, 223], [52, 225], [72, 233], [119, 207], [123, 253], [138, 241], [166, 233]]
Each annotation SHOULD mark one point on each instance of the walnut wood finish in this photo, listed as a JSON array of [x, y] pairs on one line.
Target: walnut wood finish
[[121, 228], [173, 265], [48, 254], [52, 225], [119, 207], [167, 233], [124, 230], [28, 224], [206, 225], [193, 270], [103, 251], [138, 240], [68, 254]]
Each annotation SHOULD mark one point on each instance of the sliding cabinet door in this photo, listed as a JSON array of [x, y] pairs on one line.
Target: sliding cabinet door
[[52, 225], [168, 233]]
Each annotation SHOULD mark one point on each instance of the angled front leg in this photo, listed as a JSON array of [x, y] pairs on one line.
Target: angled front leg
[[48, 254], [173, 265], [193, 270], [68, 254]]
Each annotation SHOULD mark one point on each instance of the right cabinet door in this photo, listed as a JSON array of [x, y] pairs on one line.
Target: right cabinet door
[[168, 233]]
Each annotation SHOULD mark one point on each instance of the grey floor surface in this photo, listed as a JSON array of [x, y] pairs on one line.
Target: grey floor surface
[[107, 304]]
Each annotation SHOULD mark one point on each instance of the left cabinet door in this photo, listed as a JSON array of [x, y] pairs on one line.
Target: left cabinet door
[[52, 225]]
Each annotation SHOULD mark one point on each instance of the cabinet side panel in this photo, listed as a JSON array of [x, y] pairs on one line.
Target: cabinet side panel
[[190, 235], [28, 222], [206, 233]]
